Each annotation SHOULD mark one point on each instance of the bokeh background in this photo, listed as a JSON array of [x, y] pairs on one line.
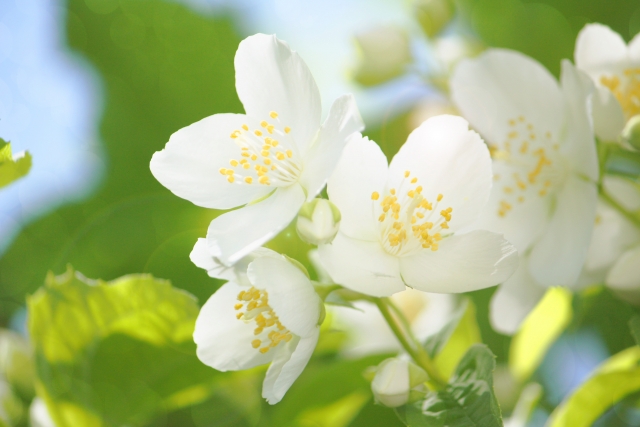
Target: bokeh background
[[92, 88]]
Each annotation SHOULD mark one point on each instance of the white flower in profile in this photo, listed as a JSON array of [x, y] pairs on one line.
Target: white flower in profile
[[271, 315], [545, 167], [401, 224], [272, 159], [614, 254], [614, 66]]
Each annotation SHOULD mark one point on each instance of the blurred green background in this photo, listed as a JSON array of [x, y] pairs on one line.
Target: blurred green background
[[163, 65]]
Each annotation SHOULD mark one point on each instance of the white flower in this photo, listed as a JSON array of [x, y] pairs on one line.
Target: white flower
[[318, 222], [614, 253], [545, 166], [272, 159], [401, 223], [615, 68], [394, 379], [273, 319]]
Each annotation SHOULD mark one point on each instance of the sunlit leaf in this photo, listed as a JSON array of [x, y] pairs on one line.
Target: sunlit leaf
[[337, 414], [450, 344], [12, 167], [467, 401], [539, 331], [115, 353], [616, 378]]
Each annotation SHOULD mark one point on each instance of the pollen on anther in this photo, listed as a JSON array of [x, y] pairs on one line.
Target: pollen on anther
[[248, 179], [273, 115], [375, 195], [289, 153], [414, 180], [233, 163], [238, 306], [440, 196], [257, 132], [256, 343], [245, 127], [230, 179], [406, 174], [287, 129], [264, 124]]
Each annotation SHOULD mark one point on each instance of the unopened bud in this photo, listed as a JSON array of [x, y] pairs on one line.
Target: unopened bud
[[631, 132], [318, 222], [395, 382], [384, 55], [16, 362], [434, 15]]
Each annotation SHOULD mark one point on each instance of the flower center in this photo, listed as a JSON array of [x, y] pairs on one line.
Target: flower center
[[254, 307], [268, 155], [626, 90], [533, 161], [408, 221]]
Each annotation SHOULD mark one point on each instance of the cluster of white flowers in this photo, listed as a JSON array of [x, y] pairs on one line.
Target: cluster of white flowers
[[511, 202]]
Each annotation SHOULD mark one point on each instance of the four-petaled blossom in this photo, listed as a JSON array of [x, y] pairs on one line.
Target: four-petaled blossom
[[401, 224], [272, 159], [545, 168], [615, 68], [271, 314]]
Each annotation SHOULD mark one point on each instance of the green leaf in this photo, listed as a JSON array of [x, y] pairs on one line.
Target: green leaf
[[115, 353], [634, 325], [539, 331], [615, 379], [451, 343], [467, 401], [12, 167]]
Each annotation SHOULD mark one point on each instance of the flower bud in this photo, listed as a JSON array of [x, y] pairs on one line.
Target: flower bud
[[631, 132], [434, 15], [16, 362], [318, 222], [384, 54], [395, 380]]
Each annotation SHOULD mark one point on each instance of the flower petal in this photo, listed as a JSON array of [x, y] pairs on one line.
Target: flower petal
[[634, 50], [579, 147], [608, 117], [462, 263], [448, 159], [362, 169], [235, 234], [625, 273], [523, 223], [343, 122], [514, 300], [190, 163], [287, 366], [223, 341], [291, 294], [501, 85], [272, 77], [599, 49], [201, 257], [558, 257], [362, 266]]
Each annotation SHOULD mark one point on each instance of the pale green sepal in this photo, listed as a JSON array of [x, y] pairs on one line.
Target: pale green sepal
[[298, 265], [631, 132], [434, 15]]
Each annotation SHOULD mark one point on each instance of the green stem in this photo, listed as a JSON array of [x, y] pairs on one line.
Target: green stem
[[617, 206], [417, 353]]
